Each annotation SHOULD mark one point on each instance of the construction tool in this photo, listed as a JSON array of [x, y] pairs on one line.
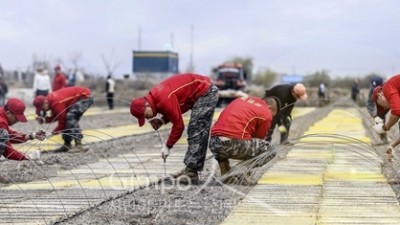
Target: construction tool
[[165, 160]]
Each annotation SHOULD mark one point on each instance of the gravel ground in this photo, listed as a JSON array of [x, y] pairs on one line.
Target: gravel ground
[[202, 204]]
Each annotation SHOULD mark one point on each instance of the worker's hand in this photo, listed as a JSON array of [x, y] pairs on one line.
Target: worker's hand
[[288, 120], [156, 123], [164, 152], [40, 119], [282, 129], [35, 155], [42, 134], [379, 128], [377, 120]]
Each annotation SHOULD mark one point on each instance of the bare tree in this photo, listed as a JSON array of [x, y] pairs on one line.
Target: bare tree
[[75, 58], [111, 63]]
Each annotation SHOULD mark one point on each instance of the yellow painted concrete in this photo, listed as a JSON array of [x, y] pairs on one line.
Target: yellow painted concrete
[[30, 112], [340, 183], [341, 122], [290, 179], [354, 176]]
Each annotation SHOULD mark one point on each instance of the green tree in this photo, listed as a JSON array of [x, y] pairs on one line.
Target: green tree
[[343, 82], [315, 79], [265, 77]]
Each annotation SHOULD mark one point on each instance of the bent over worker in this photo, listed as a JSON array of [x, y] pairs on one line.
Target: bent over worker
[[387, 97], [67, 105], [173, 97], [240, 130], [11, 113], [288, 95]]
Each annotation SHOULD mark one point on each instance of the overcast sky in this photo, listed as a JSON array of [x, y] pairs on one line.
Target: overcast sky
[[345, 37]]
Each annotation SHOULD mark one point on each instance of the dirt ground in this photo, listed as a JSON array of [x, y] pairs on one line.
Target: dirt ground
[[195, 205]]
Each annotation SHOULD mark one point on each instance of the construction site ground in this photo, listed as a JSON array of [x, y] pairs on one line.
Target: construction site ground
[[334, 173]]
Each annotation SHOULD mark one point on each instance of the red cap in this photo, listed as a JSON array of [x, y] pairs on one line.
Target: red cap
[[17, 107], [38, 103], [374, 95], [379, 109], [137, 109], [58, 67]]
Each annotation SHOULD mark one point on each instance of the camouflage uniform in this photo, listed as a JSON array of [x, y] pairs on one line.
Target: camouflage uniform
[[75, 112], [241, 149], [4, 137], [199, 129]]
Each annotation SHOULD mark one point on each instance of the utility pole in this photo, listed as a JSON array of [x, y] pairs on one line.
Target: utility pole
[[139, 38]]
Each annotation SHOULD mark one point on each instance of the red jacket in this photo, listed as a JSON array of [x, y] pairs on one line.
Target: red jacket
[[175, 96], [244, 118], [391, 91], [59, 81], [14, 137], [61, 100]]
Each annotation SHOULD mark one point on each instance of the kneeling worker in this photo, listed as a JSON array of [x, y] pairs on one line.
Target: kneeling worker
[[240, 130]]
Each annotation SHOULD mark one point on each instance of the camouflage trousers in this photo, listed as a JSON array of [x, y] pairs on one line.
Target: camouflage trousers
[[4, 138], [199, 129], [72, 129], [241, 149]]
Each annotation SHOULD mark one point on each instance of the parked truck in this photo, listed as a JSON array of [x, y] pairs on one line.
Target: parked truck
[[230, 78]]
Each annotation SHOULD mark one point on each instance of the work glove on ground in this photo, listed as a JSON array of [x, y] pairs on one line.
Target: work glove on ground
[[35, 155], [165, 152], [378, 120], [282, 129], [379, 128], [156, 123]]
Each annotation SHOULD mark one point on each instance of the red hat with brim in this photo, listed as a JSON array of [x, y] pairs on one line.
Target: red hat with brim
[[375, 92], [137, 109], [17, 107], [374, 97], [38, 102]]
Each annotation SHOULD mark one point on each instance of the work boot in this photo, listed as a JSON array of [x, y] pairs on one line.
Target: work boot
[[64, 148], [224, 167], [79, 147], [247, 179], [243, 179], [189, 176]]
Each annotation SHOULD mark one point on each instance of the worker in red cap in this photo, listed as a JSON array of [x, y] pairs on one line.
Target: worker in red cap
[[288, 95], [11, 113], [59, 80], [173, 97], [66, 105], [239, 134], [387, 97]]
